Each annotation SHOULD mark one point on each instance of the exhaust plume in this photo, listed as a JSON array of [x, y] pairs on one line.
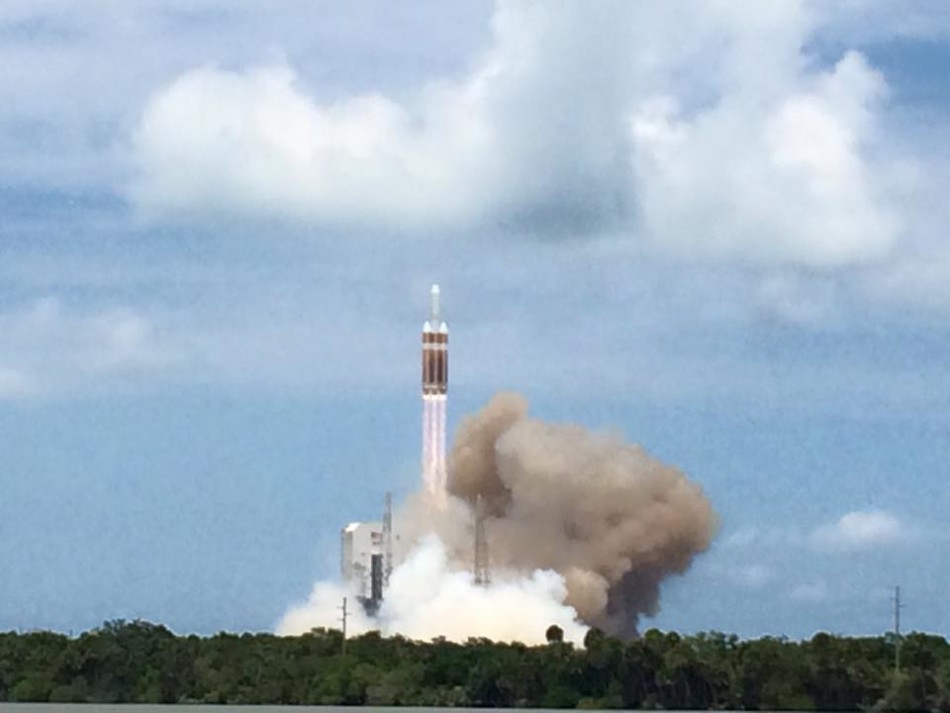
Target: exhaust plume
[[582, 528], [609, 518], [430, 596]]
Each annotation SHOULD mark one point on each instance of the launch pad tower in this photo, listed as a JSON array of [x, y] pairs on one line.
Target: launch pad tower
[[435, 387]]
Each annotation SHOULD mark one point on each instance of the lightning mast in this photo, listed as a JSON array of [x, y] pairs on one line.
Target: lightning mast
[[482, 560], [435, 387], [388, 539]]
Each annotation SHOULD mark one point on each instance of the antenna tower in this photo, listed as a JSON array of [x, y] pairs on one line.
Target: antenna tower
[[482, 558], [897, 627], [343, 617]]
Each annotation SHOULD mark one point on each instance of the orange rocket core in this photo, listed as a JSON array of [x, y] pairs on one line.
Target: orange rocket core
[[435, 363]]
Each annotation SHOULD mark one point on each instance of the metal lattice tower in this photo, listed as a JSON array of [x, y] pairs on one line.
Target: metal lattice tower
[[388, 539], [897, 627], [482, 558], [344, 615]]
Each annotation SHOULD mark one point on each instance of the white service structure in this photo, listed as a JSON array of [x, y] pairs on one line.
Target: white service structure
[[359, 542]]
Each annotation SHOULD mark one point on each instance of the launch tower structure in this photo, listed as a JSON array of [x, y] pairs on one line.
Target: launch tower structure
[[435, 387], [388, 539], [482, 570]]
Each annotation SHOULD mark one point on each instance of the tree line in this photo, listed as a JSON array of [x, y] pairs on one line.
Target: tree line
[[139, 662]]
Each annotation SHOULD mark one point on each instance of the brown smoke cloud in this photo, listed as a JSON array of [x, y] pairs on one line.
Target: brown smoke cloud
[[611, 519]]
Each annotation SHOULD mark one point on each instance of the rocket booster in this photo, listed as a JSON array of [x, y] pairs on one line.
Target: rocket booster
[[435, 350], [435, 386]]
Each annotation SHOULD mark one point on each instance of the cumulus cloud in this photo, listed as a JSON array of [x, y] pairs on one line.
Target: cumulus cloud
[[744, 575], [578, 118], [815, 591], [920, 281], [792, 298], [15, 383], [860, 530], [254, 143], [754, 576], [766, 176], [51, 347], [525, 138]]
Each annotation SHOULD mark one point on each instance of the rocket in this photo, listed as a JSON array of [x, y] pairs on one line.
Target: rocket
[[435, 350], [435, 387]]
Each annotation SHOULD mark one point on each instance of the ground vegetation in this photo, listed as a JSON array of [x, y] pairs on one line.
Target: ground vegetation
[[140, 662]]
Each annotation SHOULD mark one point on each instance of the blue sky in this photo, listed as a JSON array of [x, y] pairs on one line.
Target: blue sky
[[719, 230]]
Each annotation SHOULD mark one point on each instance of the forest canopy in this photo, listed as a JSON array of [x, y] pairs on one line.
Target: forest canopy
[[139, 662]]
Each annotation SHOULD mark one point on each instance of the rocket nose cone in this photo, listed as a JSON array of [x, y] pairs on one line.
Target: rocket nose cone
[[434, 307]]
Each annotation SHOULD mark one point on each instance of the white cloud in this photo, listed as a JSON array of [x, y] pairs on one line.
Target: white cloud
[[15, 384], [580, 118], [920, 281], [253, 143], [754, 576], [124, 340], [50, 348], [792, 298], [739, 539], [815, 591], [860, 530], [762, 178], [525, 137]]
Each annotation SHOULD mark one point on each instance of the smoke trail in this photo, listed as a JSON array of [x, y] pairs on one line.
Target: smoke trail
[[612, 520]]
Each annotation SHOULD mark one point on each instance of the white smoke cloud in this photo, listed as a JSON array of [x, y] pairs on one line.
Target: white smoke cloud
[[428, 597], [860, 530], [578, 117], [582, 529], [324, 610]]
